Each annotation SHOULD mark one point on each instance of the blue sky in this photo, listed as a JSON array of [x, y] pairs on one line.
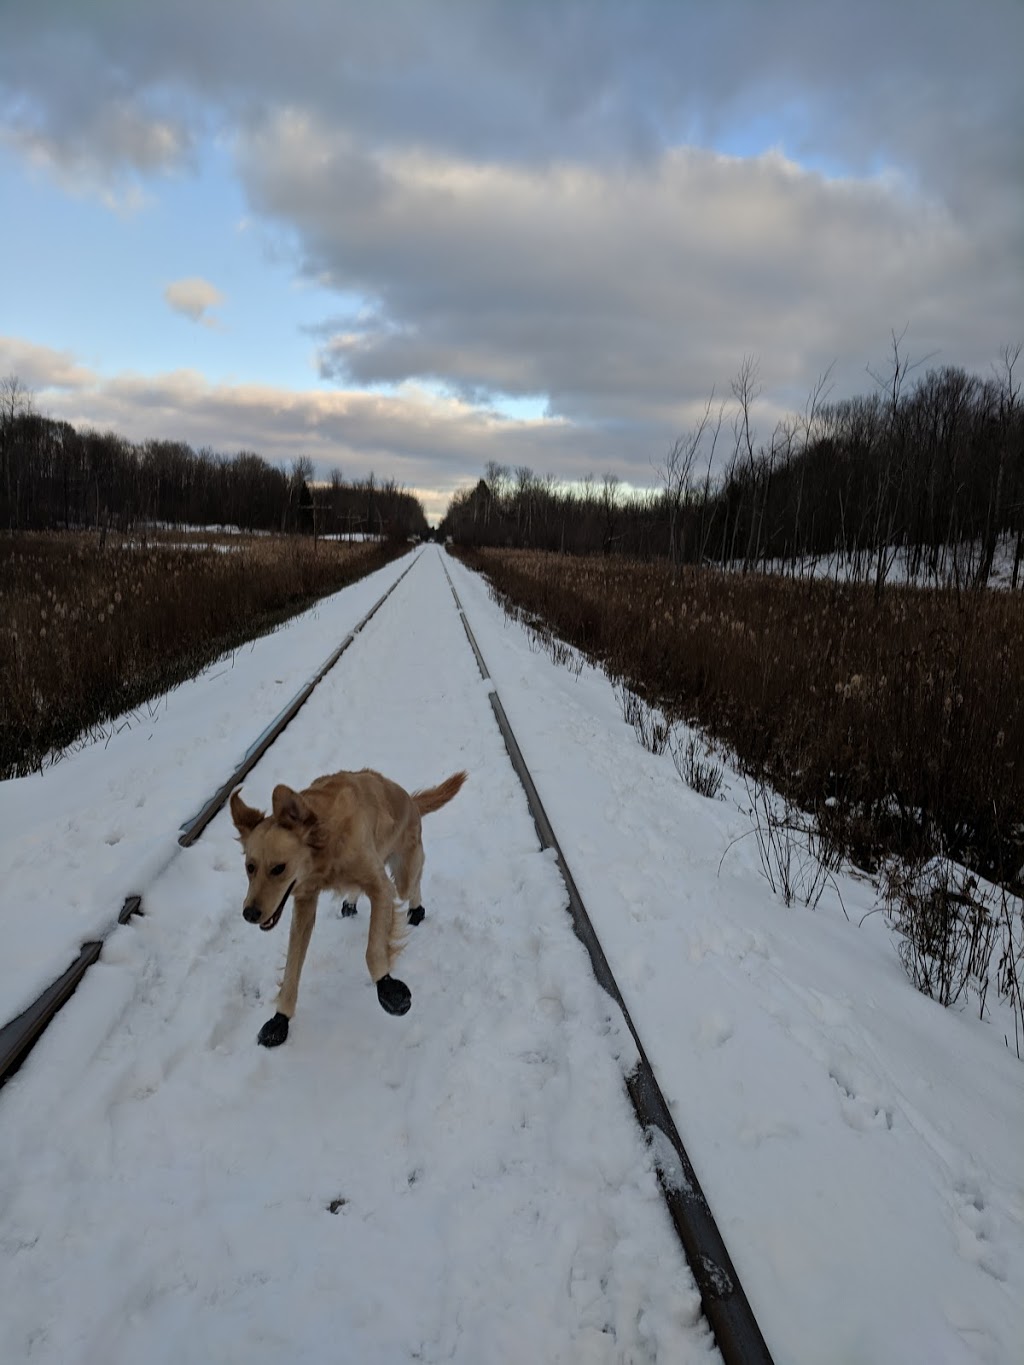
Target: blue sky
[[422, 235], [106, 272]]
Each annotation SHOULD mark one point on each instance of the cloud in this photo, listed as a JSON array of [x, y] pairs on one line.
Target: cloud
[[619, 292], [588, 80], [600, 205], [106, 152], [193, 297], [427, 443], [43, 368]]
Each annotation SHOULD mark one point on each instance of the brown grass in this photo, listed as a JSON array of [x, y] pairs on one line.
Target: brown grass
[[900, 724], [89, 633]]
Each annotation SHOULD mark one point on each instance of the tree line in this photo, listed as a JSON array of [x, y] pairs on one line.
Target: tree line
[[926, 468], [53, 475]]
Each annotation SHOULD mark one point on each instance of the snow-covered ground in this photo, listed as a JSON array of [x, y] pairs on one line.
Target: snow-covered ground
[[953, 566], [166, 1185]]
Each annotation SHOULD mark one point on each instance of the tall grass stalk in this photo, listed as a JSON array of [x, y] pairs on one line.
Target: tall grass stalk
[[89, 633]]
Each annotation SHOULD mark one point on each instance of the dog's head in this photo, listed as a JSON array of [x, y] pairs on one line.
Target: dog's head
[[278, 852]]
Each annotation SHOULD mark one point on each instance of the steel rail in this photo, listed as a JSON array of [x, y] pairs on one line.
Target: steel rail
[[19, 1035], [724, 1302], [191, 829]]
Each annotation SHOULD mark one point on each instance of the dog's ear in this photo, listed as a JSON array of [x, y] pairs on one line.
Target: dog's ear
[[246, 818], [290, 811]]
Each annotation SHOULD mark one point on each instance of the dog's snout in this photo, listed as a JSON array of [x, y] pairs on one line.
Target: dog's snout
[[251, 913]]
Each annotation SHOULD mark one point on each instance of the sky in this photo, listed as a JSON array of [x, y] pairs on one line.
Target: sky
[[415, 237], [166, 1184]]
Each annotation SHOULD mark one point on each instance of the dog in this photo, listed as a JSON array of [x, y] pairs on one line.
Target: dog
[[343, 833]]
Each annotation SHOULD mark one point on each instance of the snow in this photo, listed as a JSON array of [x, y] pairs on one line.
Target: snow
[[954, 565], [166, 1186]]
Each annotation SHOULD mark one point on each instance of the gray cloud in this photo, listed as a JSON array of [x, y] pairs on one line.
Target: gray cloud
[[523, 196], [619, 292], [934, 82]]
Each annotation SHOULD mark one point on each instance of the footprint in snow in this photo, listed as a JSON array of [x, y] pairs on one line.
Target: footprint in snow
[[715, 1029], [977, 1228], [862, 1106]]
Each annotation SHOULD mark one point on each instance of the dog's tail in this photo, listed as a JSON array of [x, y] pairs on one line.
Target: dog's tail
[[433, 798]]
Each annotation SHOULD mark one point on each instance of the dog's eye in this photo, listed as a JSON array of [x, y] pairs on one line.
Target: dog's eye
[[250, 868], [276, 871]]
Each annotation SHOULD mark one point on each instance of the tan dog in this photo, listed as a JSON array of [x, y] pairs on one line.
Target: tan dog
[[343, 833]]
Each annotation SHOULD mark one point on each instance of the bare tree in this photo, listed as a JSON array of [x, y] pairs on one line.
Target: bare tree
[[609, 510], [497, 478], [1009, 396], [15, 402], [705, 497], [811, 428], [746, 388], [892, 464], [525, 498], [675, 473], [298, 479]]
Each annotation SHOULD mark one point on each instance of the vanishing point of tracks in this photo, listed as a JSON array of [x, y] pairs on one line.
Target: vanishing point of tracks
[[725, 1305]]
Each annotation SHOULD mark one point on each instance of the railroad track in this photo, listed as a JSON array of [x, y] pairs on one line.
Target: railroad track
[[20, 1035], [724, 1302]]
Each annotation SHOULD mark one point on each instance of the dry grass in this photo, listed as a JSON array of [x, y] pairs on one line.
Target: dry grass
[[899, 724], [89, 633]]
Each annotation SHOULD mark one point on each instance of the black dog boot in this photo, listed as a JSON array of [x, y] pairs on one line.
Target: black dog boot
[[348, 908], [394, 995], [274, 1031], [416, 914]]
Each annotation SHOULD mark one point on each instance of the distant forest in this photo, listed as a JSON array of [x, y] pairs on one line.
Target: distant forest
[[927, 469], [930, 469], [52, 475]]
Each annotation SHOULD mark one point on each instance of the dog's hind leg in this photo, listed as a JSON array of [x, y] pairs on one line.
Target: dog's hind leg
[[408, 874], [275, 1031]]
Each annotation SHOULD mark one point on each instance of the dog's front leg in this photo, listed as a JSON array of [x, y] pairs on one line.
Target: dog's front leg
[[394, 995], [275, 1031]]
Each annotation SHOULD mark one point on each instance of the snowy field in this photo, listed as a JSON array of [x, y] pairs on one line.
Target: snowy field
[[952, 566], [467, 1182]]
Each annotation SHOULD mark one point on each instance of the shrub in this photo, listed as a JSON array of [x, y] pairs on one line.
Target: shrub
[[89, 633], [703, 776], [946, 927], [901, 720]]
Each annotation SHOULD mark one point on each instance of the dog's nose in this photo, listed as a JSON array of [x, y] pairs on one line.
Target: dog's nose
[[251, 913]]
